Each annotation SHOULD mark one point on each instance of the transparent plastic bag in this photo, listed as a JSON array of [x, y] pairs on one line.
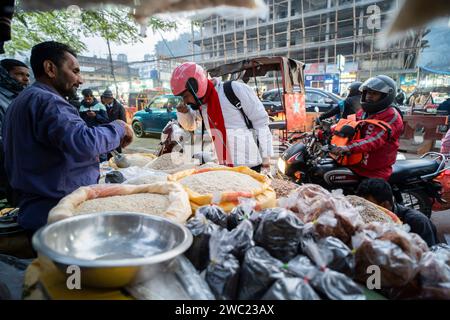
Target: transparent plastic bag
[[396, 252], [434, 274], [330, 213]]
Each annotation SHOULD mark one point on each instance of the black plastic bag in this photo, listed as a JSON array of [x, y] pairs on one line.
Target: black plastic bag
[[336, 286], [201, 228], [328, 283], [279, 233], [301, 266], [241, 238], [259, 272], [222, 273], [291, 289], [235, 242], [215, 214], [239, 214], [330, 253], [114, 177]]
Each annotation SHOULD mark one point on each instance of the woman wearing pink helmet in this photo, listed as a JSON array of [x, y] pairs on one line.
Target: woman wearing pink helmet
[[239, 131]]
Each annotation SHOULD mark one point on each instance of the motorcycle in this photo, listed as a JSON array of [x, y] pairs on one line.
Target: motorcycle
[[307, 160]]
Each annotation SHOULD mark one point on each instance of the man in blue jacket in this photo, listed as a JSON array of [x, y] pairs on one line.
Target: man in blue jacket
[[49, 149]]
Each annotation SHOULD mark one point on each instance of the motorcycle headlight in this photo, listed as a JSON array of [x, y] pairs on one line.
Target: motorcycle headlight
[[281, 164]]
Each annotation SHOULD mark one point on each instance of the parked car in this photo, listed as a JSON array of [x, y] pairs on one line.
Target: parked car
[[322, 99], [156, 115]]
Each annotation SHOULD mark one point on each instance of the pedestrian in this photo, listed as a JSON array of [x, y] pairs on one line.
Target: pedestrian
[[230, 112], [114, 109], [49, 150], [92, 111], [14, 77]]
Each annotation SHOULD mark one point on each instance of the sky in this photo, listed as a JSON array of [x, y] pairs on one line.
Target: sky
[[135, 52]]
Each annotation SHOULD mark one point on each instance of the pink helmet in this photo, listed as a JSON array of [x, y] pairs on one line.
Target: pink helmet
[[192, 73]]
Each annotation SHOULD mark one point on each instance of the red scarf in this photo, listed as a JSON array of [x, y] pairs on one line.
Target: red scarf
[[217, 125]]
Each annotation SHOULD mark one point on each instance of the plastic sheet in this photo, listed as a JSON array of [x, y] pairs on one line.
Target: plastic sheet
[[180, 281], [434, 274], [279, 233], [12, 273], [258, 273]]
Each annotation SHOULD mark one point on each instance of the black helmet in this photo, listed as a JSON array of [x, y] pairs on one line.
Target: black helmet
[[383, 84], [353, 89]]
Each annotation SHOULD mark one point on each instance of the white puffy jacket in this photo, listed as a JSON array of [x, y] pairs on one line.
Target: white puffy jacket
[[241, 143]]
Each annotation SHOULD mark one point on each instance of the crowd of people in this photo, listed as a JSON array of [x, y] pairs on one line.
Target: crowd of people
[[62, 141]]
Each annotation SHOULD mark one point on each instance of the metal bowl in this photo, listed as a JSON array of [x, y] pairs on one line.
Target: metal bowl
[[112, 249]]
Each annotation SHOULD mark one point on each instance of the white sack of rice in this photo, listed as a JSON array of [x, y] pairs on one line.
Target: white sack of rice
[[152, 203], [220, 181]]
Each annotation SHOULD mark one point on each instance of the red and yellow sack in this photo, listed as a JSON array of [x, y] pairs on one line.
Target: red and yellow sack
[[348, 130], [264, 196]]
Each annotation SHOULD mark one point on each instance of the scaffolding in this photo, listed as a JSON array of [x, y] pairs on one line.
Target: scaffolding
[[313, 31]]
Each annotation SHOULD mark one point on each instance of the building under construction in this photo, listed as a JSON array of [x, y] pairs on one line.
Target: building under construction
[[315, 32]]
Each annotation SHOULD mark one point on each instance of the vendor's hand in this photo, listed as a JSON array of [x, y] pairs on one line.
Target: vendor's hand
[[128, 136], [91, 114], [182, 108]]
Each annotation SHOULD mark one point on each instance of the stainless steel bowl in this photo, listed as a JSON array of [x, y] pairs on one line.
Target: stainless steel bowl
[[113, 249]]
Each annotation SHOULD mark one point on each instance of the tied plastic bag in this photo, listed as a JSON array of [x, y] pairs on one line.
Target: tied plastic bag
[[434, 273], [396, 252], [291, 289], [259, 272], [330, 214], [215, 214], [329, 283], [245, 210], [336, 286], [180, 281], [114, 177], [330, 253], [222, 273], [201, 229], [236, 241], [279, 233]]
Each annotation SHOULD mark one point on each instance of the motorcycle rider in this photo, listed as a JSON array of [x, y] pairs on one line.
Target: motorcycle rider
[[379, 147], [350, 105]]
